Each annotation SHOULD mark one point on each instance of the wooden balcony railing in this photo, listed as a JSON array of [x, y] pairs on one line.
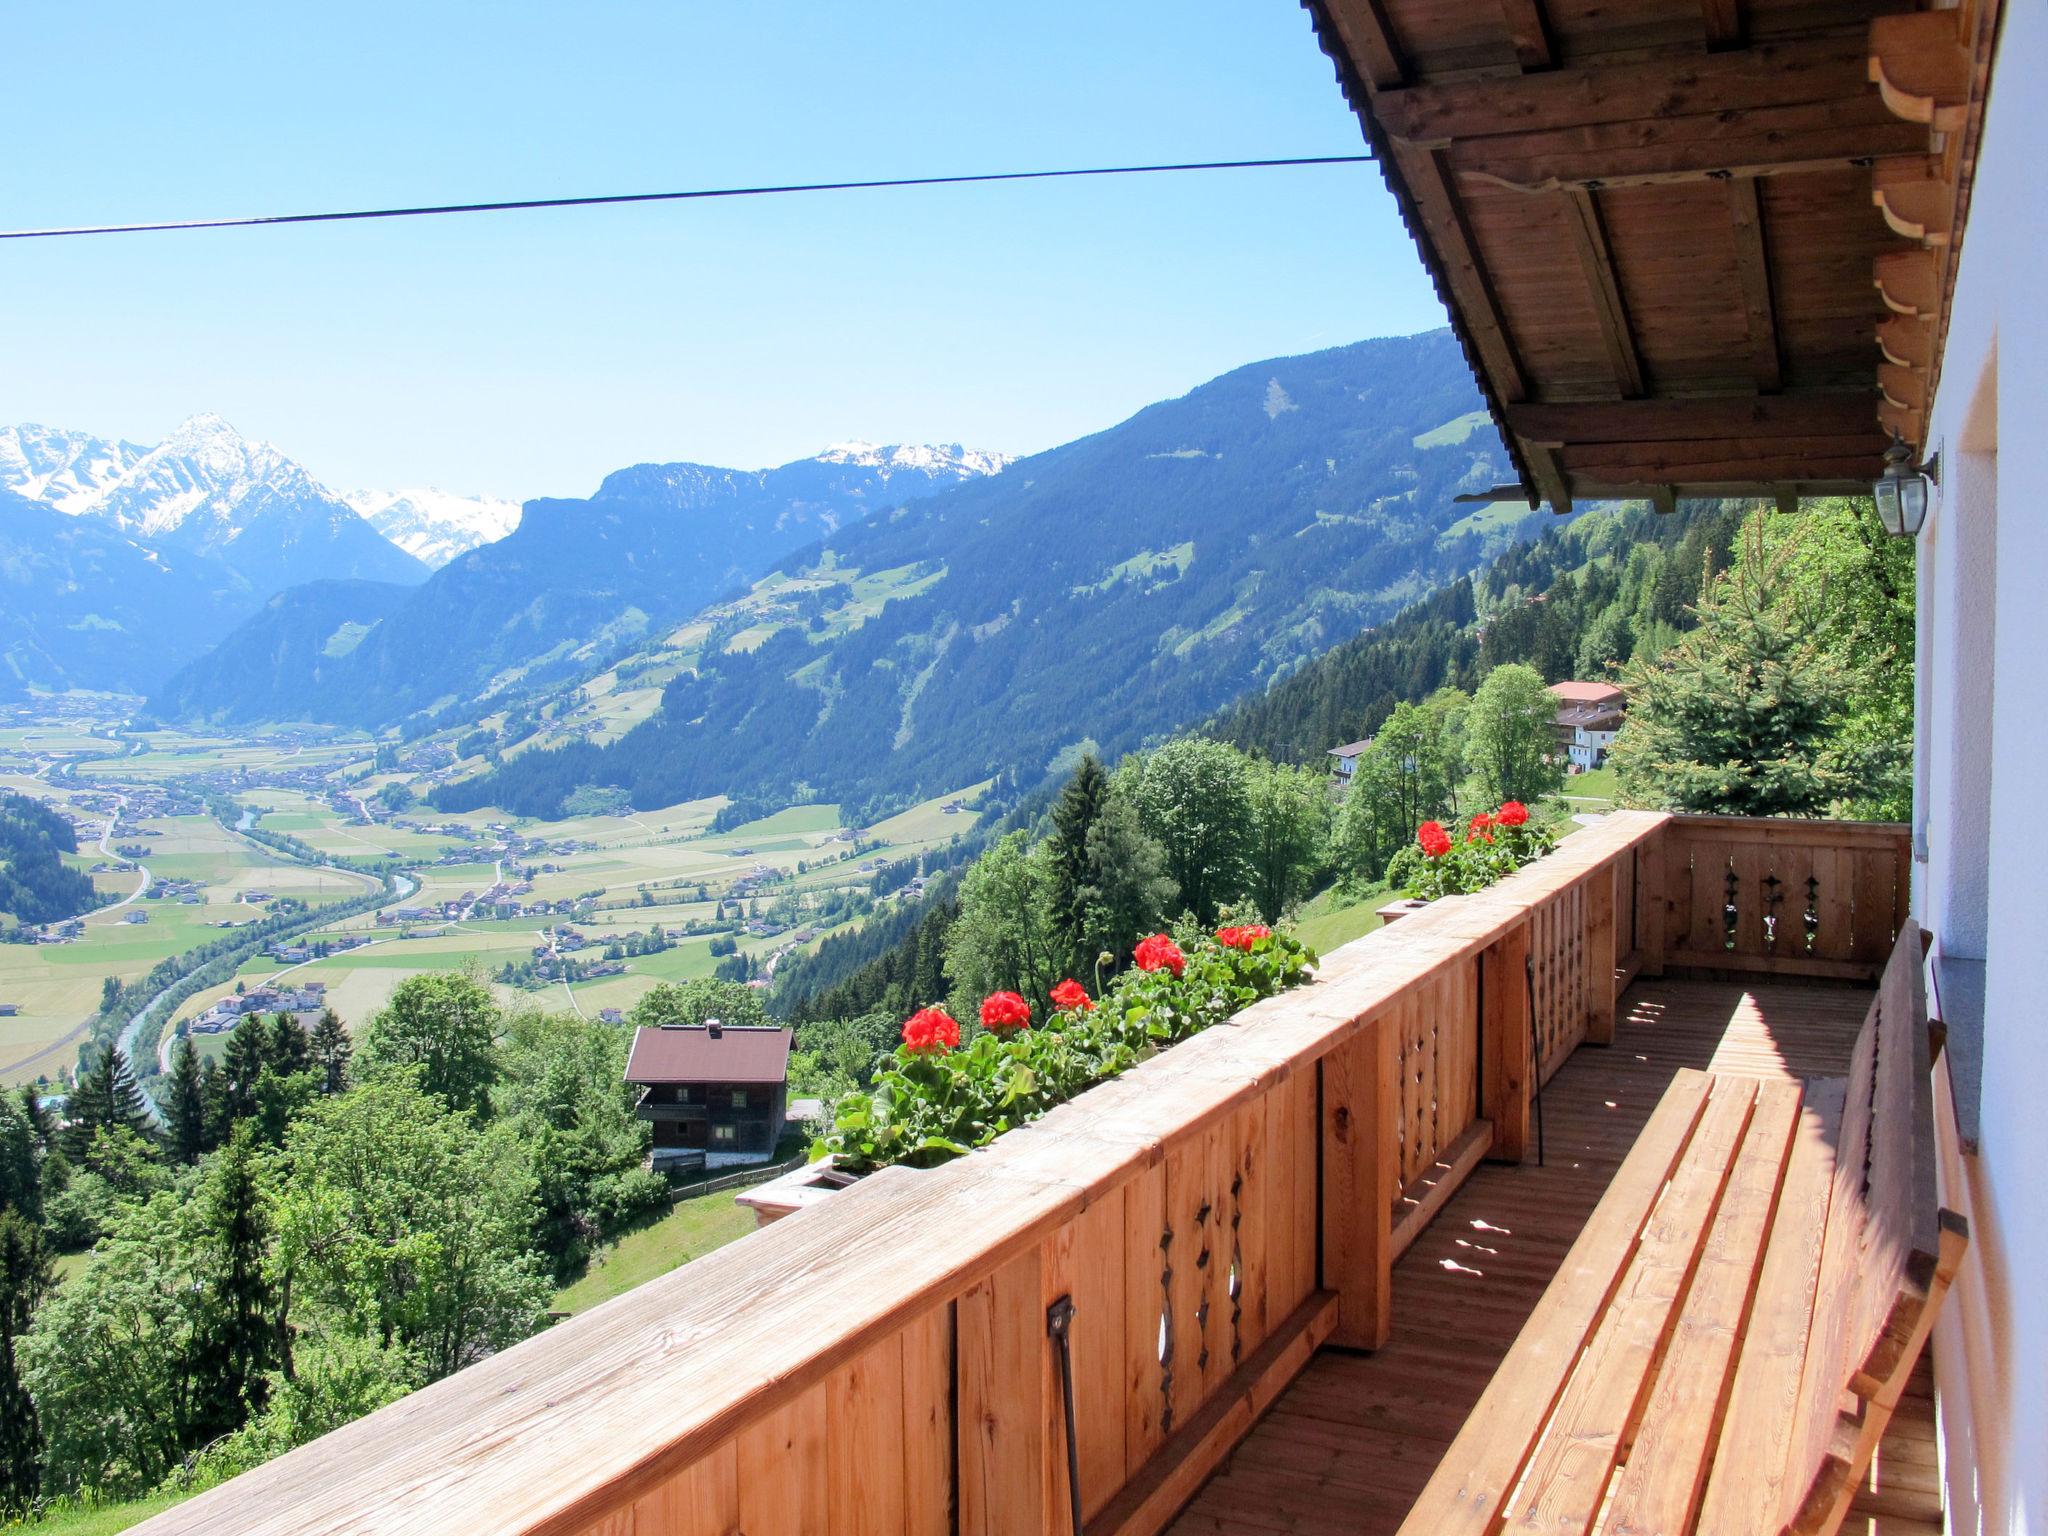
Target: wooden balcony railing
[[885, 1361]]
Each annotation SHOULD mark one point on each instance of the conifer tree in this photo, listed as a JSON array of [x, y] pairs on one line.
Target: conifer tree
[[40, 1120], [106, 1095], [213, 1097], [242, 1067], [1079, 805], [238, 1337], [26, 1275], [185, 1106], [1734, 717], [331, 1050], [1129, 891], [287, 1051]]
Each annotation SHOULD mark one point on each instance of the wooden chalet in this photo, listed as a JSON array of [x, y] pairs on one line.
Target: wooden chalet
[[1625, 1196], [713, 1095]]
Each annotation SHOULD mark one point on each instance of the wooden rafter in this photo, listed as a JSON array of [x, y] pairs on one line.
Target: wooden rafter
[[1753, 271], [1530, 33], [1751, 418], [1767, 77], [1369, 37], [1725, 23], [1610, 310]]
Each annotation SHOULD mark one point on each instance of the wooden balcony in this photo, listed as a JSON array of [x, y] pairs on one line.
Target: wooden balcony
[[1295, 1248]]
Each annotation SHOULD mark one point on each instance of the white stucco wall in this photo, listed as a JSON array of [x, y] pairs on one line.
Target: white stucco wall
[[1983, 889]]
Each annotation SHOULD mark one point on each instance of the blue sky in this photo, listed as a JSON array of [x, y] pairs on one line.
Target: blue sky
[[528, 354]]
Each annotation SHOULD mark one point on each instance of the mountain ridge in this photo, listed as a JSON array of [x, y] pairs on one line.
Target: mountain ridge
[[1101, 591]]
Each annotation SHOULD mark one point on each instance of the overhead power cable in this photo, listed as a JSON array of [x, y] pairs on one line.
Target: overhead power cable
[[700, 194]]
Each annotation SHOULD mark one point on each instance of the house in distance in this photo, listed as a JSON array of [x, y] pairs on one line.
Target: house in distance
[[1588, 717], [716, 1096]]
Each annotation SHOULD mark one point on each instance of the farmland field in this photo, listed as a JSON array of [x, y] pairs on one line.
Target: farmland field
[[774, 886]]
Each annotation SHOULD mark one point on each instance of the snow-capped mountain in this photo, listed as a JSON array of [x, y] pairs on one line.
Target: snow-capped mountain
[[927, 458], [206, 490], [65, 470], [435, 526]]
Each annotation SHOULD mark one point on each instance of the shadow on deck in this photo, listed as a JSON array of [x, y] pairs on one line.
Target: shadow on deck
[[1351, 1443]]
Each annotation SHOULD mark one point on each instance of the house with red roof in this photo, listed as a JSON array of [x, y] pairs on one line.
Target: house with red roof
[[715, 1096]]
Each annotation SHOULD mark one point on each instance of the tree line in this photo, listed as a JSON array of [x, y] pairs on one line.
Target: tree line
[[323, 1223]]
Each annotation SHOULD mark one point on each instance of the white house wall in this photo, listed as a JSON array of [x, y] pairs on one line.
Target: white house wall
[[1983, 778]]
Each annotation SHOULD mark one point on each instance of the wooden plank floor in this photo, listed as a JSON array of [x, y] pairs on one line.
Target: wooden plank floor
[[1351, 1443]]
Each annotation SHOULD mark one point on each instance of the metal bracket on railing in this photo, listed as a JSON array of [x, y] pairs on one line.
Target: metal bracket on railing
[[1059, 1322], [1535, 1052]]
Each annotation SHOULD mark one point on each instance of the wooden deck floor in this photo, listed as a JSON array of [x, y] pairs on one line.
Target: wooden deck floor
[[1351, 1443]]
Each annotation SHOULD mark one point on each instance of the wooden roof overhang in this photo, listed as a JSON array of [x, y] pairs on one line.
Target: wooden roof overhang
[[1691, 247]]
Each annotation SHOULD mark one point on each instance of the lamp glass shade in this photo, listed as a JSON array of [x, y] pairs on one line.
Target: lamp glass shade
[[1888, 511], [1913, 500]]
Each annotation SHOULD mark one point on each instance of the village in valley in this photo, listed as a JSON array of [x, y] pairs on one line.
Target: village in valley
[[191, 837]]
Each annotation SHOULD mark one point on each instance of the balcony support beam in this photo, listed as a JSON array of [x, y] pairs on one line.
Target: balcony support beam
[[1506, 1069], [1361, 1178]]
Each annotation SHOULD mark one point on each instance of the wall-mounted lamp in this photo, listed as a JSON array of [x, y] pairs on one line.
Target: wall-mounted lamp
[[1904, 491]]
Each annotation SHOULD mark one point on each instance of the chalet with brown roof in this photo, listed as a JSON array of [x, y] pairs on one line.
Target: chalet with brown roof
[[715, 1095], [1589, 716]]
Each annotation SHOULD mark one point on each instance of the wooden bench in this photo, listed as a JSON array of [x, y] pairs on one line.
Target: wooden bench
[[1726, 1340]]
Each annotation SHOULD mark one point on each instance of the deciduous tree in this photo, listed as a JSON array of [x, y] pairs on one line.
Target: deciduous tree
[[444, 1025], [1511, 735]]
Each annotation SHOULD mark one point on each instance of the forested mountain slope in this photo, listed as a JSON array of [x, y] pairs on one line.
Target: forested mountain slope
[[580, 579], [1104, 590], [286, 650], [1578, 602], [83, 605]]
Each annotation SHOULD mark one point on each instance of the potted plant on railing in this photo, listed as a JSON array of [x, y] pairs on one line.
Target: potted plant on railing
[[1495, 845], [941, 1098]]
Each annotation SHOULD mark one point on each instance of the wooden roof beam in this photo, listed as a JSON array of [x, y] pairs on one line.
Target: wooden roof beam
[[1753, 271], [1797, 72], [1921, 66], [1610, 311], [1774, 141], [1530, 33], [1756, 419], [1726, 25], [1369, 38]]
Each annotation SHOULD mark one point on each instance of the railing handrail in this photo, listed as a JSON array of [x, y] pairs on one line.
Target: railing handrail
[[556, 1433]]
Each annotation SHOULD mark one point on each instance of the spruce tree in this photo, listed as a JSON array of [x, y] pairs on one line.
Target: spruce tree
[[185, 1105], [331, 1051], [248, 1053], [26, 1275], [41, 1122], [1080, 803], [1129, 891], [238, 1337], [106, 1095], [287, 1051], [1734, 718], [213, 1097]]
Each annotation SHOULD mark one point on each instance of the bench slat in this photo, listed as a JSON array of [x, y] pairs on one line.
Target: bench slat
[[1487, 1458], [1661, 1484], [1568, 1475], [1747, 1489]]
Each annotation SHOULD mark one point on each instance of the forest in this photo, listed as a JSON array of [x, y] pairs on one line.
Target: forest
[[324, 1220], [36, 885]]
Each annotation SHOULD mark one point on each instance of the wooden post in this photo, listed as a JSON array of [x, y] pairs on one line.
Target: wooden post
[[1506, 1070], [1652, 907], [1006, 1416], [1600, 956], [1361, 1163]]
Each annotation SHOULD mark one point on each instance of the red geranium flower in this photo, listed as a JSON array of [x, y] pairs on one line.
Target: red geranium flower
[[1512, 814], [931, 1031], [1243, 938], [1481, 829], [1072, 997], [1159, 953], [1004, 1010], [1435, 841]]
